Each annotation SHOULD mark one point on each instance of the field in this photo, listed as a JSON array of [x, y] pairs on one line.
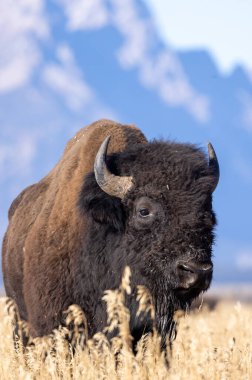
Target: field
[[210, 344]]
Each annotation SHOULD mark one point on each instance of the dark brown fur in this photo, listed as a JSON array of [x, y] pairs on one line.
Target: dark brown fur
[[68, 241], [45, 228]]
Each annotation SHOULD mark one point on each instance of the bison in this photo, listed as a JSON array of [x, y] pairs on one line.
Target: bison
[[113, 200]]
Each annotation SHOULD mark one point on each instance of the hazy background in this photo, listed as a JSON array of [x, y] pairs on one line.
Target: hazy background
[[179, 70]]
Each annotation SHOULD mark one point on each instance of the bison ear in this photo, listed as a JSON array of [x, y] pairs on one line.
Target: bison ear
[[100, 206]]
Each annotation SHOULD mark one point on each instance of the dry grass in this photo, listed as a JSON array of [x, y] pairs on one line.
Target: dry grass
[[210, 345]]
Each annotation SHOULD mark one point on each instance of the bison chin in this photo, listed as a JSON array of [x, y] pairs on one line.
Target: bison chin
[[166, 306], [177, 291]]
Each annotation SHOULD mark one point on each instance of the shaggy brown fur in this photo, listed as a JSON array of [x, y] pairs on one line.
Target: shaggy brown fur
[[45, 227], [69, 239]]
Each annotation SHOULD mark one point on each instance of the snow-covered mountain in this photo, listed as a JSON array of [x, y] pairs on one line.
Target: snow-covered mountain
[[65, 64]]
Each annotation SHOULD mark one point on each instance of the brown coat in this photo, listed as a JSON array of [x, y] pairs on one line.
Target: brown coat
[[45, 228]]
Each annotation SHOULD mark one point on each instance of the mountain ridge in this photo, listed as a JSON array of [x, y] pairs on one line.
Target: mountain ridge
[[113, 64]]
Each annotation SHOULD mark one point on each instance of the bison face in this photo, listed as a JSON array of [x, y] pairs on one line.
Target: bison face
[[156, 201], [175, 249]]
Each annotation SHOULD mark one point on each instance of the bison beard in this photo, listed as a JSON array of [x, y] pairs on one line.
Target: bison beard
[[146, 205]]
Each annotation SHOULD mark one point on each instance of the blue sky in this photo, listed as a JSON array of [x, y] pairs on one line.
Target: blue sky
[[52, 83], [223, 27]]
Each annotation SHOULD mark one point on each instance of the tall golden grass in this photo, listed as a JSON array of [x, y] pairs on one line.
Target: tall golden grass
[[210, 345]]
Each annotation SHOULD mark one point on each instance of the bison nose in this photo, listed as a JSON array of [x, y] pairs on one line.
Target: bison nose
[[192, 275]]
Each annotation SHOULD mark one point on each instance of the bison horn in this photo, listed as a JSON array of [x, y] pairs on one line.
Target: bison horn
[[111, 184], [213, 165]]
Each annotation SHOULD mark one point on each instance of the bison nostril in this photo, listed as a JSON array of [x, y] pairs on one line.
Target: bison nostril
[[207, 268], [185, 268], [191, 274], [195, 268]]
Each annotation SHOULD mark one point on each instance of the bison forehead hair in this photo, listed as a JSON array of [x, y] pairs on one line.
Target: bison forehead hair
[[175, 176], [144, 204], [164, 163]]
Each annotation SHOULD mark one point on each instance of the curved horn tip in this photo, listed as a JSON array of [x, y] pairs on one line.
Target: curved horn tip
[[211, 151], [213, 160], [100, 159], [106, 140], [104, 145], [213, 163]]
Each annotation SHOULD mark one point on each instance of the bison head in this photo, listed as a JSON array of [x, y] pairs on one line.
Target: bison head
[[155, 200]]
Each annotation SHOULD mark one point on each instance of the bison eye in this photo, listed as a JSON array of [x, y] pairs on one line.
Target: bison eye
[[144, 212]]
